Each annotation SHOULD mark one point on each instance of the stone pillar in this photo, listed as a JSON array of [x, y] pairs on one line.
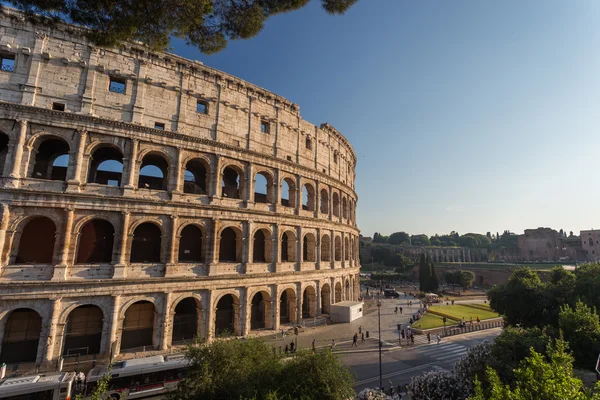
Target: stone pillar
[[216, 187], [209, 316], [167, 325], [276, 249], [299, 298], [15, 173], [175, 178], [131, 173], [246, 307], [49, 339], [30, 88], [275, 307], [248, 243], [120, 269], [137, 116], [317, 200], [3, 227], [299, 248], [276, 190], [87, 98], [173, 239], [76, 177], [318, 298], [60, 270], [318, 249], [330, 203], [298, 194], [332, 250], [116, 327], [214, 248], [250, 179]]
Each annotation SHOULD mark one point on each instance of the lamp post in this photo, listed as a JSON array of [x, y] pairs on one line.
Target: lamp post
[[379, 321]]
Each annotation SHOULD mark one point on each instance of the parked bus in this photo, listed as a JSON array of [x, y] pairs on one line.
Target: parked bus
[[141, 377], [51, 386]]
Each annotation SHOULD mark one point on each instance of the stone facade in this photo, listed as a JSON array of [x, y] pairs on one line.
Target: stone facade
[[132, 219], [590, 243]]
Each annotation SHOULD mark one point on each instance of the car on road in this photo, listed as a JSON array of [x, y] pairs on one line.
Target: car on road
[[391, 293]]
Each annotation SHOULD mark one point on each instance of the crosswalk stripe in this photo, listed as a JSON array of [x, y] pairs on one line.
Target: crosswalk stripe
[[441, 349], [452, 356]]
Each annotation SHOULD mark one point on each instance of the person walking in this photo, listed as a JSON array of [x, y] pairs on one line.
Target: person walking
[[439, 338], [396, 310], [362, 337], [314, 346], [355, 340], [428, 337], [332, 344], [412, 338], [282, 334], [360, 329], [400, 310], [478, 320], [292, 347], [287, 349]]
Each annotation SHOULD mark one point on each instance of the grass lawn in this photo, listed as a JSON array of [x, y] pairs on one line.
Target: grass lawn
[[458, 311], [429, 321]]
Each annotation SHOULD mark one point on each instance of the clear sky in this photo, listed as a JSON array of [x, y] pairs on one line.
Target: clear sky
[[471, 116]]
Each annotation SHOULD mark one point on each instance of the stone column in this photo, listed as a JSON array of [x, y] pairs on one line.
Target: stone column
[[250, 178], [116, 327], [172, 258], [49, 338], [298, 194], [299, 298], [120, 269], [87, 97], [332, 250], [299, 248], [15, 173], [318, 249], [175, 178], [3, 227], [214, 252], [76, 177], [276, 191], [275, 307], [168, 314], [318, 298], [209, 316], [276, 250], [137, 116], [60, 270], [131, 173], [317, 200], [216, 189], [330, 203], [246, 311]]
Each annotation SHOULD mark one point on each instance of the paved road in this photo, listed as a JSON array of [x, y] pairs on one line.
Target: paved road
[[398, 366]]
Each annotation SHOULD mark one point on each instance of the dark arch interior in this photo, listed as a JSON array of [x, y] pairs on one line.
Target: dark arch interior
[[195, 178], [225, 315], [145, 247], [185, 321], [324, 201], [95, 242], [3, 151], [153, 173], [259, 247], [51, 160], [228, 246], [338, 248], [338, 292], [21, 336], [138, 326], [37, 242], [325, 248], [231, 183], [336, 205], [305, 249], [257, 318], [190, 244], [325, 299], [83, 333], [287, 193], [106, 167], [284, 248]]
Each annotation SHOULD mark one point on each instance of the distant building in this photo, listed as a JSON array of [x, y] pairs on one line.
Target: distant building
[[365, 239], [590, 244], [546, 244]]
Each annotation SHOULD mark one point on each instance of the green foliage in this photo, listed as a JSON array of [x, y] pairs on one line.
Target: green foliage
[[248, 369], [99, 392], [399, 238], [433, 278], [378, 238], [463, 278], [420, 240], [207, 24], [424, 272], [581, 328], [587, 284]]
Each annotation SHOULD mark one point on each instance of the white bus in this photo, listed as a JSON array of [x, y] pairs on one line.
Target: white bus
[[51, 386], [141, 377]]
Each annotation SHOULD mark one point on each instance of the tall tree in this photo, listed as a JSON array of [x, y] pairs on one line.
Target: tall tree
[[423, 273], [207, 24], [399, 238], [434, 284]]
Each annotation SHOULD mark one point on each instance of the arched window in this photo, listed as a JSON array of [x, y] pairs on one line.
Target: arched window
[[591, 241], [37, 242], [263, 188], [185, 321], [324, 201], [232, 183], [287, 306], [288, 193], [345, 208], [83, 332], [106, 167], [325, 248], [3, 151], [336, 204], [346, 249], [260, 311], [309, 303], [146, 244], [288, 247], [351, 213], [153, 173], [308, 248], [138, 327], [338, 292], [325, 299], [95, 242], [338, 248], [262, 246], [190, 244], [229, 248], [308, 197], [21, 336], [51, 160], [226, 319], [195, 177]]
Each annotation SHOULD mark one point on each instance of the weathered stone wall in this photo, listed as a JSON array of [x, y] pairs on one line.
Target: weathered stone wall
[[57, 66]]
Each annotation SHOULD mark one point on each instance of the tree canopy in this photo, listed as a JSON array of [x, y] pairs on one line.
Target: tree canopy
[[207, 24]]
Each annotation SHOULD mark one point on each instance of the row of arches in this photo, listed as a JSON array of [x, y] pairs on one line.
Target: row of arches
[[86, 327], [51, 159], [96, 244]]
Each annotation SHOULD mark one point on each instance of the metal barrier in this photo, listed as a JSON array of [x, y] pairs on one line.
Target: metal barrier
[[476, 326]]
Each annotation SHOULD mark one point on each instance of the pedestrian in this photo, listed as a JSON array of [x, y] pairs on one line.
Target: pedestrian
[[403, 334], [478, 320], [471, 320], [439, 339], [400, 310], [362, 337], [428, 337], [396, 310], [355, 340], [287, 349], [332, 344], [292, 347], [282, 334], [412, 338], [314, 346], [360, 329], [399, 326]]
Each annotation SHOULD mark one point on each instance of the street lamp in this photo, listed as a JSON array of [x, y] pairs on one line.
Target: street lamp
[[379, 321]]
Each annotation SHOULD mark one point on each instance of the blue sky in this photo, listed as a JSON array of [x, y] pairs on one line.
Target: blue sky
[[471, 116]]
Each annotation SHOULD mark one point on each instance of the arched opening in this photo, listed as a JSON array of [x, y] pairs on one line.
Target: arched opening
[[338, 292], [325, 248], [95, 242], [51, 160], [309, 303], [336, 204], [287, 306], [288, 193], [21, 336], [232, 183], [308, 197], [308, 248], [338, 248], [229, 247], [347, 293], [262, 249], [351, 212], [195, 177], [3, 151], [325, 299], [190, 244], [106, 167], [146, 244], [346, 249], [138, 327], [324, 201], [153, 173], [288, 247], [344, 208], [227, 316], [260, 311], [36, 245], [185, 321], [263, 188], [83, 332]]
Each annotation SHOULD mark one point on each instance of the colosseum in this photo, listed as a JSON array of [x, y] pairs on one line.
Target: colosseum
[[147, 199]]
